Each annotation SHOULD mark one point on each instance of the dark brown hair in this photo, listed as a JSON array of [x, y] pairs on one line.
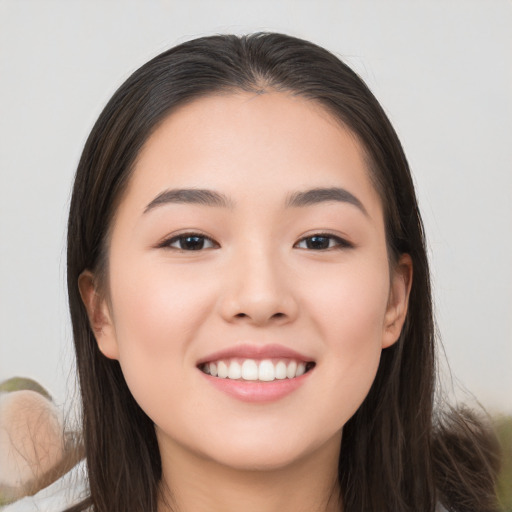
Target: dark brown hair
[[395, 455]]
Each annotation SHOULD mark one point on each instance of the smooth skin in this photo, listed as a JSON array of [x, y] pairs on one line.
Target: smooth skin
[[257, 277]]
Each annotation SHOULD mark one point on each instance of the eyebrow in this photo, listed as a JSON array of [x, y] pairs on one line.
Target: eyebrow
[[299, 199], [322, 195], [190, 195]]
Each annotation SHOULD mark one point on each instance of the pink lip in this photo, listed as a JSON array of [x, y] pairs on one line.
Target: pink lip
[[246, 351], [250, 391]]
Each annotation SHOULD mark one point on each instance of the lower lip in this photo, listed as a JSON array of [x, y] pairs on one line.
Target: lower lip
[[257, 391]]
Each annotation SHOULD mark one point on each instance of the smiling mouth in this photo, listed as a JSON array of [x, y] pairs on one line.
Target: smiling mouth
[[265, 370]]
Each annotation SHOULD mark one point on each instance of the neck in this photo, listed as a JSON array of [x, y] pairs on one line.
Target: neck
[[193, 483]]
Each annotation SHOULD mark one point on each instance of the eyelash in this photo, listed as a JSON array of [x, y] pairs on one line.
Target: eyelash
[[340, 243]]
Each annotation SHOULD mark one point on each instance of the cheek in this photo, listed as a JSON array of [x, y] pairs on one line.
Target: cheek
[[350, 303], [156, 309], [350, 312], [156, 315]]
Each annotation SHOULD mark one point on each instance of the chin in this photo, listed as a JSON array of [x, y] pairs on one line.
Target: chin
[[255, 458], [273, 451]]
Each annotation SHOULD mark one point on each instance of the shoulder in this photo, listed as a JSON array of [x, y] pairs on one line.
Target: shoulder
[[67, 491]]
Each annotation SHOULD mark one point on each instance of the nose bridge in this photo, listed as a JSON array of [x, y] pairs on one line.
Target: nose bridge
[[257, 288]]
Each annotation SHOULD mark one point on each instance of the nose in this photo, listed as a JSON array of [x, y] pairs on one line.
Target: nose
[[258, 290]]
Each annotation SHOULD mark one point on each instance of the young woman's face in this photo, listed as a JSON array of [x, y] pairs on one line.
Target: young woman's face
[[250, 243]]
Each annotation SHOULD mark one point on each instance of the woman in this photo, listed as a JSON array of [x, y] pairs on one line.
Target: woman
[[250, 296]]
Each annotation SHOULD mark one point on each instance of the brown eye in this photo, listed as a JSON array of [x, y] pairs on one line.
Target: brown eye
[[322, 242], [190, 242]]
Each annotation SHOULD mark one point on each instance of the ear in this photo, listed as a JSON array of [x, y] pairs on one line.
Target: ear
[[100, 317], [396, 312]]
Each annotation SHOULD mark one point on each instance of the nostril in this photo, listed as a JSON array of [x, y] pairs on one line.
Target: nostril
[[245, 315], [260, 317]]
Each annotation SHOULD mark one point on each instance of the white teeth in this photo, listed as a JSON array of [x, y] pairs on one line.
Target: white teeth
[[280, 370], [235, 371], [250, 369], [267, 371], [291, 369], [222, 370]]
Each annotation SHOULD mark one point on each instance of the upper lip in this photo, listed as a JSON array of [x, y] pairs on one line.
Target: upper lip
[[247, 351]]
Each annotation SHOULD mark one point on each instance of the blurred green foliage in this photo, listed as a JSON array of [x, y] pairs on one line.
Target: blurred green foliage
[[503, 426], [22, 383]]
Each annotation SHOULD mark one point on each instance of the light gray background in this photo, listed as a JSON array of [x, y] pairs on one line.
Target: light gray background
[[442, 70]]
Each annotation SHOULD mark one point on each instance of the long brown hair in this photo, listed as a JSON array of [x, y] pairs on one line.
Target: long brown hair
[[394, 455]]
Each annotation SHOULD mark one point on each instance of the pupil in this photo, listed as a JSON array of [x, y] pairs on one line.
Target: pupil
[[192, 243], [318, 242]]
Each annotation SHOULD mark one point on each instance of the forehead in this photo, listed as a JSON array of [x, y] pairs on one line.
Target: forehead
[[251, 145]]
